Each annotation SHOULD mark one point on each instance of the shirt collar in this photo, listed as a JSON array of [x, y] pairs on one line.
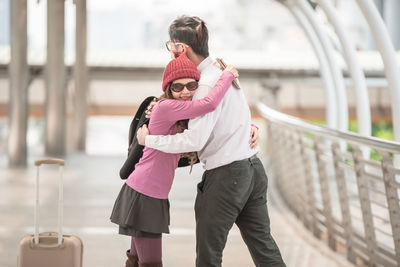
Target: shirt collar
[[205, 63]]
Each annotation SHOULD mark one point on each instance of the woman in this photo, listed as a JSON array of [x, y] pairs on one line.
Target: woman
[[142, 207]]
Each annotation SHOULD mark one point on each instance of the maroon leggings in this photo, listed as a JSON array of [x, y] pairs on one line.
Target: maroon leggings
[[147, 249]]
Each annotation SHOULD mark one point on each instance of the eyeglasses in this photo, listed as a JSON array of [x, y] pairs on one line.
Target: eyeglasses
[[178, 87], [174, 45]]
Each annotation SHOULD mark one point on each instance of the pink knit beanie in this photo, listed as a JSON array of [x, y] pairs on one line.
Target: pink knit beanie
[[179, 68]]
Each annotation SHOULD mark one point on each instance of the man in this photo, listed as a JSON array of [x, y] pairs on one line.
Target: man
[[234, 185]]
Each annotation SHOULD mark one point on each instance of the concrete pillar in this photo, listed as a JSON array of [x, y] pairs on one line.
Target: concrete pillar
[[55, 80], [271, 88], [18, 105], [392, 19], [80, 111]]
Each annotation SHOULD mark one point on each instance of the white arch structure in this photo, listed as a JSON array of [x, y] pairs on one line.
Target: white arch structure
[[326, 75], [356, 72], [391, 65], [301, 8], [303, 12], [337, 76]]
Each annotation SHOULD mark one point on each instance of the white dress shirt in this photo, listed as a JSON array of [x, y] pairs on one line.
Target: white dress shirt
[[221, 136]]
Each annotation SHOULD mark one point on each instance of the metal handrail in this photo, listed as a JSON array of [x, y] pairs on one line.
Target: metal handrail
[[311, 162], [290, 121]]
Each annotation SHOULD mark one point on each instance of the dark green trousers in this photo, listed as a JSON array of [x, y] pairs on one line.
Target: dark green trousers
[[234, 193]]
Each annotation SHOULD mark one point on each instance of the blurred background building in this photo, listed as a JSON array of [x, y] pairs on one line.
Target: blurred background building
[[252, 35]]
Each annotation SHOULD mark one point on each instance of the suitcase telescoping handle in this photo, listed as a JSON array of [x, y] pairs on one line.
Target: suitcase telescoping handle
[[61, 163]]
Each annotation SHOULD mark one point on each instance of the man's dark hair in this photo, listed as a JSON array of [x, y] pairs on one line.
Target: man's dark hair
[[191, 31]]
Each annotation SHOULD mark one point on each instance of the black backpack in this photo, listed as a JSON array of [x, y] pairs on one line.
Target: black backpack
[[135, 151]]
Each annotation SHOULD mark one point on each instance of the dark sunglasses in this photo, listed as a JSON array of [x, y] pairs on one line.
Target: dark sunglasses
[[178, 87]]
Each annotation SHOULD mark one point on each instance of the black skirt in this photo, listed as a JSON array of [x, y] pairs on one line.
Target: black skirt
[[139, 215]]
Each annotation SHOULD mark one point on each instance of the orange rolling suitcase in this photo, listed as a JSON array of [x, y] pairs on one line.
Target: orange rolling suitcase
[[50, 249]]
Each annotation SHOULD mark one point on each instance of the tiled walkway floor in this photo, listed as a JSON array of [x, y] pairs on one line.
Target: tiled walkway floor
[[91, 185]]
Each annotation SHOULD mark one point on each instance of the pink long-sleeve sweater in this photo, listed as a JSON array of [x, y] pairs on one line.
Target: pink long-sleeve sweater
[[154, 173]]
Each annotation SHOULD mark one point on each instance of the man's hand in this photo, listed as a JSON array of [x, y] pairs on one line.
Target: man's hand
[[150, 107], [141, 134], [254, 137]]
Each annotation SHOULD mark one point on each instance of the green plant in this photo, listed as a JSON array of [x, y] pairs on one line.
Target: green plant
[[379, 129]]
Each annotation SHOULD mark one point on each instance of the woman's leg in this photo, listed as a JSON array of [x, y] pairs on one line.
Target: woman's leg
[[133, 250], [149, 250], [132, 260]]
